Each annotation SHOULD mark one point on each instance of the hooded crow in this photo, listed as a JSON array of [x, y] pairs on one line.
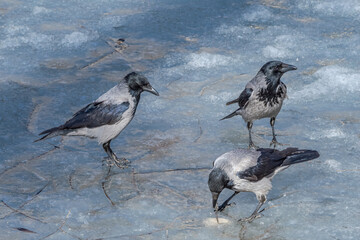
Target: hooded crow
[[105, 118], [245, 170], [263, 97]]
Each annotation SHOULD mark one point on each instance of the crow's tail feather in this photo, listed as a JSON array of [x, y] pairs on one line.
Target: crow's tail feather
[[232, 102], [231, 115], [299, 156], [42, 138], [52, 132]]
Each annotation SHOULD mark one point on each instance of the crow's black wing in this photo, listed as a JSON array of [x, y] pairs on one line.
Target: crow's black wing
[[96, 114], [267, 163], [244, 97]]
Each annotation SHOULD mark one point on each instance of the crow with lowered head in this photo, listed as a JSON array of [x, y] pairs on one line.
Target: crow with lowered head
[[248, 170]]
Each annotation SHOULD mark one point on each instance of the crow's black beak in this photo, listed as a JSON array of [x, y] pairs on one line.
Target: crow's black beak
[[215, 197], [287, 67], [150, 89]]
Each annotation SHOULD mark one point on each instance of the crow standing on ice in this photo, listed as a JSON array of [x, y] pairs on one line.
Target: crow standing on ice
[[263, 97], [105, 118], [244, 170]]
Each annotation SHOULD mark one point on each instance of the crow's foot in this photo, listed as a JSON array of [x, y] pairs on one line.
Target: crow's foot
[[252, 146], [121, 163], [251, 218], [276, 143]]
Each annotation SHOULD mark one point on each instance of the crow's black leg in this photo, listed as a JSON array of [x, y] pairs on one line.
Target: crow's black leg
[[256, 213], [121, 163], [251, 144], [109, 151], [274, 141], [225, 204]]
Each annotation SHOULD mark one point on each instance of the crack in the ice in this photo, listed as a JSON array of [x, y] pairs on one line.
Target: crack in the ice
[[200, 131], [97, 61], [72, 235], [242, 231], [128, 236], [172, 190], [28, 160], [268, 230], [36, 109], [59, 228], [103, 185], [202, 91], [19, 212], [70, 179], [26, 202], [269, 207], [282, 195], [134, 182], [115, 48]]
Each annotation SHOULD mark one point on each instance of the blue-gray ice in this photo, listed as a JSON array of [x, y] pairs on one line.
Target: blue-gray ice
[[57, 56]]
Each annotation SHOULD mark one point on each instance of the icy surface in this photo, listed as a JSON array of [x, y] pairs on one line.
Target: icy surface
[[57, 56]]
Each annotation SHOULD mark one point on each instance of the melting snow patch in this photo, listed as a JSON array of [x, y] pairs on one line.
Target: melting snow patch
[[35, 40], [258, 14], [331, 82], [38, 10], [334, 133], [207, 60], [328, 133], [238, 31], [333, 164], [12, 30], [18, 36], [285, 46], [334, 7], [275, 52], [76, 39], [83, 218], [220, 98]]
